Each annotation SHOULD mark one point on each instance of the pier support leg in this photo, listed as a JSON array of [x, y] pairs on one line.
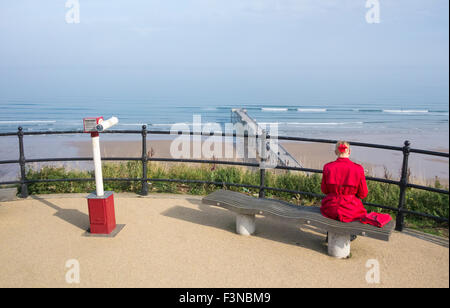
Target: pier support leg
[[339, 245], [245, 224]]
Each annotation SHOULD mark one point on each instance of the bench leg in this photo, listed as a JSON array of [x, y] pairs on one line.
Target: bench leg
[[339, 245], [245, 224]]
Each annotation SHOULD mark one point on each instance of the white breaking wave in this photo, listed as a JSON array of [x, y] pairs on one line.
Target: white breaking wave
[[170, 124], [329, 123], [274, 109], [311, 123], [311, 109], [405, 111]]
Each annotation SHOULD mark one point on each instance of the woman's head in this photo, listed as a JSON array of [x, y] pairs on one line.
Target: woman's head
[[342, 149]]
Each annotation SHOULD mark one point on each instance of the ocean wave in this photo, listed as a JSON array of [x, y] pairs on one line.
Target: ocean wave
[[311, 123], [169, 124], [26, 122], [406, 110], [273, 123], [161, 124], [367, 110], [311, 109], [274, 109], [441, 113], [397, 111]]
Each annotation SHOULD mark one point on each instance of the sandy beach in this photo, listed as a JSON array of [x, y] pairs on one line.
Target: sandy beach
[[424, 169]]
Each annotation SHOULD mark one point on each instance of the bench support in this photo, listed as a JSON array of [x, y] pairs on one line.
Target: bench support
[[339, 245], [245, 224]]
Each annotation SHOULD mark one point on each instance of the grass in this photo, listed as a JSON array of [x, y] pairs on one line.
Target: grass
[[379, 193], [8, 186]]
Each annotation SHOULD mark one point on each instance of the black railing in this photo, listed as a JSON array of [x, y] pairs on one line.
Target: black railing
[[403, 184]]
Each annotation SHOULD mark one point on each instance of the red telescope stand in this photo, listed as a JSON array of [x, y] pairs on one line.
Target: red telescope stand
[[102, 217]]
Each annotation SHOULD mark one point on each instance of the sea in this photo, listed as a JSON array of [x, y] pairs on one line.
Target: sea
[[425, 123]]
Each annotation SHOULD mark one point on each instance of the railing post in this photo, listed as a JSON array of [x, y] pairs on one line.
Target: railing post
[[144, 190], [23, 183], [262, 170], [403, 186], [262, 180]]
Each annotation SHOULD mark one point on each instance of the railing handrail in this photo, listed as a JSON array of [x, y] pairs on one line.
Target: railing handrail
[[402, 183], [222, 134]]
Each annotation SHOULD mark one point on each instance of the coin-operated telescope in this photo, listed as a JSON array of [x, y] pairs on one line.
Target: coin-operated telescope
[[101, 204]]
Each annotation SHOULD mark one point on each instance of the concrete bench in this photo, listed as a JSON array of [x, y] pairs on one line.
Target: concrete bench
[[246, 207]]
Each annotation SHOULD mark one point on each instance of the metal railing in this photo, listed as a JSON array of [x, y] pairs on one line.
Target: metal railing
[[403, 183]]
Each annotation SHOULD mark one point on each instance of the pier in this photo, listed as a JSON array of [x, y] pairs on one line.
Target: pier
[[282, 156]]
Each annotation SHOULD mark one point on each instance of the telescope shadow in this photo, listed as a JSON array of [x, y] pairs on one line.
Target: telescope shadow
[[266, 227], [72, 216]]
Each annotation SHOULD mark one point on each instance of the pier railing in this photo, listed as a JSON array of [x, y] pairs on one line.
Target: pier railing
[[401, 210]]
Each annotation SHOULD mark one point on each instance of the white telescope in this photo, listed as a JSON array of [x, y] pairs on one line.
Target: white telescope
[[104, 125], [94, 126]]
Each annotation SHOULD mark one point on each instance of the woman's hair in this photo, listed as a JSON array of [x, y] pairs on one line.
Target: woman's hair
[[342, 147]]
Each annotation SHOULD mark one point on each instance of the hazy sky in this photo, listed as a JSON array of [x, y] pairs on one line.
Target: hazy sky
[[290, 49]]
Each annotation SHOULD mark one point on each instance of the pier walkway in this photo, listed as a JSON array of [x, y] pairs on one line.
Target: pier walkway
[[282, 156]]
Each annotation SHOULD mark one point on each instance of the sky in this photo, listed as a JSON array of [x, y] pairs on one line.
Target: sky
[[273, 50]]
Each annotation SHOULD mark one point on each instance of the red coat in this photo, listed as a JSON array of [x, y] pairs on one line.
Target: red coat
[[344, 183]]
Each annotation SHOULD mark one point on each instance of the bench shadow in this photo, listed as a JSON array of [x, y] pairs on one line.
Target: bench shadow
[[438, 240], [266, 227], [72, 216]]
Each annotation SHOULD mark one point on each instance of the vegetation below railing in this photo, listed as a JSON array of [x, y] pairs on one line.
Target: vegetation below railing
[[379, 193]]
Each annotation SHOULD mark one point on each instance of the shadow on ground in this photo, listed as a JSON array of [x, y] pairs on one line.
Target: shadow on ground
[[267, 228], [438, 240], [74, 217]]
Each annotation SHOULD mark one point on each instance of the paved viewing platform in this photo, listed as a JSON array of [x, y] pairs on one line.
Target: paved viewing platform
[[176, 241]]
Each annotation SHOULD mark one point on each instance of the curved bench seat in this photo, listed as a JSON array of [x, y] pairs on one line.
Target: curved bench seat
[[245, 205]]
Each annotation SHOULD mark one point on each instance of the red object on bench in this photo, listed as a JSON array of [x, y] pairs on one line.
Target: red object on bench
[[376, 219]]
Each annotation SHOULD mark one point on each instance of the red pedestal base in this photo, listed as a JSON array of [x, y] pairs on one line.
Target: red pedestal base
[[101, 213]]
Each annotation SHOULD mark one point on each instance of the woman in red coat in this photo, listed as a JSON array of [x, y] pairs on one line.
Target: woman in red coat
[[344, 183]]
